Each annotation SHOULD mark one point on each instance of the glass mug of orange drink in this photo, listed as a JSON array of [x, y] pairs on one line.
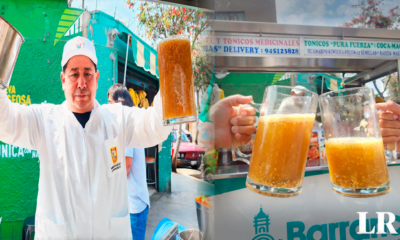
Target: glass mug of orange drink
[[176, 80], [279, 154], [354, 146]]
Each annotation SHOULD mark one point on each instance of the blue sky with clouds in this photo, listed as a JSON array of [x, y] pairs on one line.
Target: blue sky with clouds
[[322, 12]]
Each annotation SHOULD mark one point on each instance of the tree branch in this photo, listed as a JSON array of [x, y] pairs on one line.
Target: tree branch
[[387, 83], [206, 25], [379, 92]]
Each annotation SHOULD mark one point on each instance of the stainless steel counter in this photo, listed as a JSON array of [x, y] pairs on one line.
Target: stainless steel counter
[[238, 171]]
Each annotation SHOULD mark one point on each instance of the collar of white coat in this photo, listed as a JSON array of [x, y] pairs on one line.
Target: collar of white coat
[[95, 105], [110, 124]]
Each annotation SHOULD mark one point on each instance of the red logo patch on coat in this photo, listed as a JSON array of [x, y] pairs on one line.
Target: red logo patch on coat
[[114, 155]]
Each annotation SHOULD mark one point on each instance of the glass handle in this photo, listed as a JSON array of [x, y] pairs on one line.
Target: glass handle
[[391, 152], [391, 148]]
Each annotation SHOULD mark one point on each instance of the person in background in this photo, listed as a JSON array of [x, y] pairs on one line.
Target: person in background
[[298, 91], [138, 193], [292, 103]]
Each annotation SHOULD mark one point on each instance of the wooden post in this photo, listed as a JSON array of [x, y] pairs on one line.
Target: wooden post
[[176, 151]]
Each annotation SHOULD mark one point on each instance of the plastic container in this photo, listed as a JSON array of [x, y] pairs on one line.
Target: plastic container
[[164, 227]]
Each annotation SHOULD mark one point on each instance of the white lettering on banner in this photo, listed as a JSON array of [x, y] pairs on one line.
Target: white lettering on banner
[[252, 46], [13, 152], [369, 49], [20, 152], [4, 151], [10, 151], [317, 213]]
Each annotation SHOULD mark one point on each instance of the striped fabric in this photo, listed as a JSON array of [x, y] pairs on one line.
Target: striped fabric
[[332, 84], [68, 18], [144, 55], [277, 77], [76, 27]]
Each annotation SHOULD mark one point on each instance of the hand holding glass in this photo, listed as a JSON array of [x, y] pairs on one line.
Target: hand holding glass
[[354, 145], [281, 144]]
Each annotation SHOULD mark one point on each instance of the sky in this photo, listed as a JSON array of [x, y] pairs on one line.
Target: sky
[[322, 12], [303, 12]]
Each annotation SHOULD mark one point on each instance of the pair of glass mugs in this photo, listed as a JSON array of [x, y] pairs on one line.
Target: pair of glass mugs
[[354, 146]]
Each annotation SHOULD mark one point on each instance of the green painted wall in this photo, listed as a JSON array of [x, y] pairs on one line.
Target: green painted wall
[[247, 84], [105, 64], [28, 16], [37, 75], [164, 167]]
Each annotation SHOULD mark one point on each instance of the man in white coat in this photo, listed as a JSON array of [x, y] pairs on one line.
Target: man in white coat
[[83, 186]]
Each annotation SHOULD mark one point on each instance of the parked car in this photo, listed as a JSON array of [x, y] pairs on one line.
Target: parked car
[[190, 154]]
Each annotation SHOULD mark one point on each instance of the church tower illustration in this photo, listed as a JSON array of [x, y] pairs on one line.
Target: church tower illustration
[[261, 222], [261, 226]]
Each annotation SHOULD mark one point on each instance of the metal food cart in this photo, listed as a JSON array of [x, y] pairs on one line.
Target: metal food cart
[[318, 212]]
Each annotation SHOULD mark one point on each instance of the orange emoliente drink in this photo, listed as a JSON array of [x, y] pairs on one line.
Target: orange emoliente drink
[[357, 162], [176, 80], [280, 151]]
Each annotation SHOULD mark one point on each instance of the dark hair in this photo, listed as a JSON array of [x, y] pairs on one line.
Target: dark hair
[[119, 93], [65, 66]]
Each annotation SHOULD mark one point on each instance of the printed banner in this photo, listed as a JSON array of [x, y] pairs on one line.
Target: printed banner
[[252, 46], [11, 151], [317, 213], [364, 49]]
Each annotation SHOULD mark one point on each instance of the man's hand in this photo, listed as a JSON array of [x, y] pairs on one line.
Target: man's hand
[[227, 124], [389, 122]]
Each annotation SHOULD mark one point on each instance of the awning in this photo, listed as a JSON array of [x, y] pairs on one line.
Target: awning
[[140, 52], [331, 82], [70, 23]]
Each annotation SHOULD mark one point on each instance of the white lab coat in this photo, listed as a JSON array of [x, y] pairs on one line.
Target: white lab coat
[[82, 193]]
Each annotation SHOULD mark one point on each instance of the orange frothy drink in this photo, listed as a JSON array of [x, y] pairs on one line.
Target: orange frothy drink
[[176, 81], [280, 151], [357, 162]]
